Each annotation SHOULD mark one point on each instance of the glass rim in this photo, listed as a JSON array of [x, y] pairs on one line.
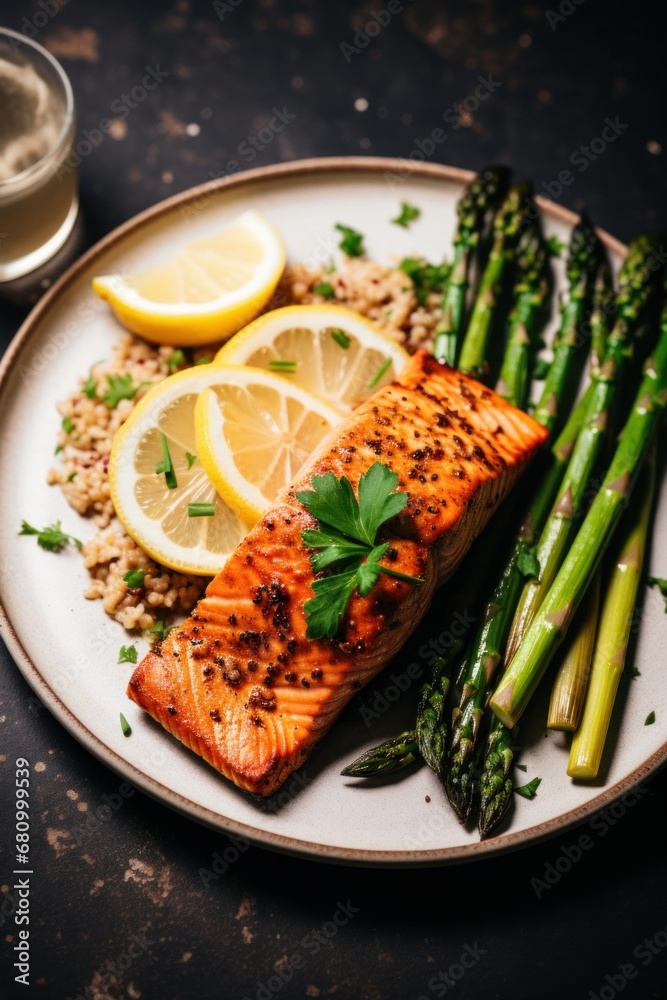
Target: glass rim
[[68, 116]]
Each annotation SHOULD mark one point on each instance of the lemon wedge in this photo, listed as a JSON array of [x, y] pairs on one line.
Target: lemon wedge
[[154, 515], [206, 291], [329, 351], [254, 431]]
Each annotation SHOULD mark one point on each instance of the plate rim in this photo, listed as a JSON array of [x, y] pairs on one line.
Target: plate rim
[[290, 845]]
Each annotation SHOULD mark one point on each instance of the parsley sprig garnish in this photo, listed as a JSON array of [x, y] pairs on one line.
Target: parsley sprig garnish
[[51, 538], [425, 277], [529, 791], [346, 538]]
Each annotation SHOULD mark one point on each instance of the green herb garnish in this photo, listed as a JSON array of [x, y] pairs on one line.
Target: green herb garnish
[[161, 630], [191, 459], [341, 338], [67, 425], [203, 361], [120, 387], [346, 535], [58, 448], [352, 242], [201, 509], [72, 476], [521, 767], [127, 654], [650, 719], [530, 790], [382, 370], [125, 725], [50, 538], [325, 288], [407, 214], [527, 562], [284, 367], [166, 466], [634, 672], [657, 581], [134, 578], [426, 278], [177, 360], [554, 246], [90, 388]]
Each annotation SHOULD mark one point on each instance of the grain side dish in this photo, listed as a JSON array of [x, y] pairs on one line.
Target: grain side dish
[[405, 307]]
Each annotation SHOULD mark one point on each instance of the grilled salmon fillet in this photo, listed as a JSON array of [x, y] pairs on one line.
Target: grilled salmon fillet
[[239, 683]]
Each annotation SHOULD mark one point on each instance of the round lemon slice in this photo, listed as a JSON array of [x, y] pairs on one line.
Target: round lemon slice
[[204, 292], [156, 516], [254, 432], [327, 350]]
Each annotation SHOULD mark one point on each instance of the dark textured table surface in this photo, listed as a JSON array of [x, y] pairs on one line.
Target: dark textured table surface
[[123, 911]]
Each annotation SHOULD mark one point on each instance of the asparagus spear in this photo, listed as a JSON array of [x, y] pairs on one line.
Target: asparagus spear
[[569, 690], [532, 287], [603, 308], [551, 624], [489, 643], [507, 226], [479, 197], [615, 624], [389, 756], [633, 296], [496, 783], [585, 256]]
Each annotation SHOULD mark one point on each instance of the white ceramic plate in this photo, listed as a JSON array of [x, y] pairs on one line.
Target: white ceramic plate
[[67, 647]]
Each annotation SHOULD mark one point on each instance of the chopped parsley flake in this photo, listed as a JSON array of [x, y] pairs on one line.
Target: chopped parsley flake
[[203, 361], [176, 361], [352, 242], [120, 387], [325, 288], [650, 719], [90, 388], [127, 654], [529, 791], [191, 459], [67, 425], [125, 725], [407, 214], [657, 581], [426, 278]]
